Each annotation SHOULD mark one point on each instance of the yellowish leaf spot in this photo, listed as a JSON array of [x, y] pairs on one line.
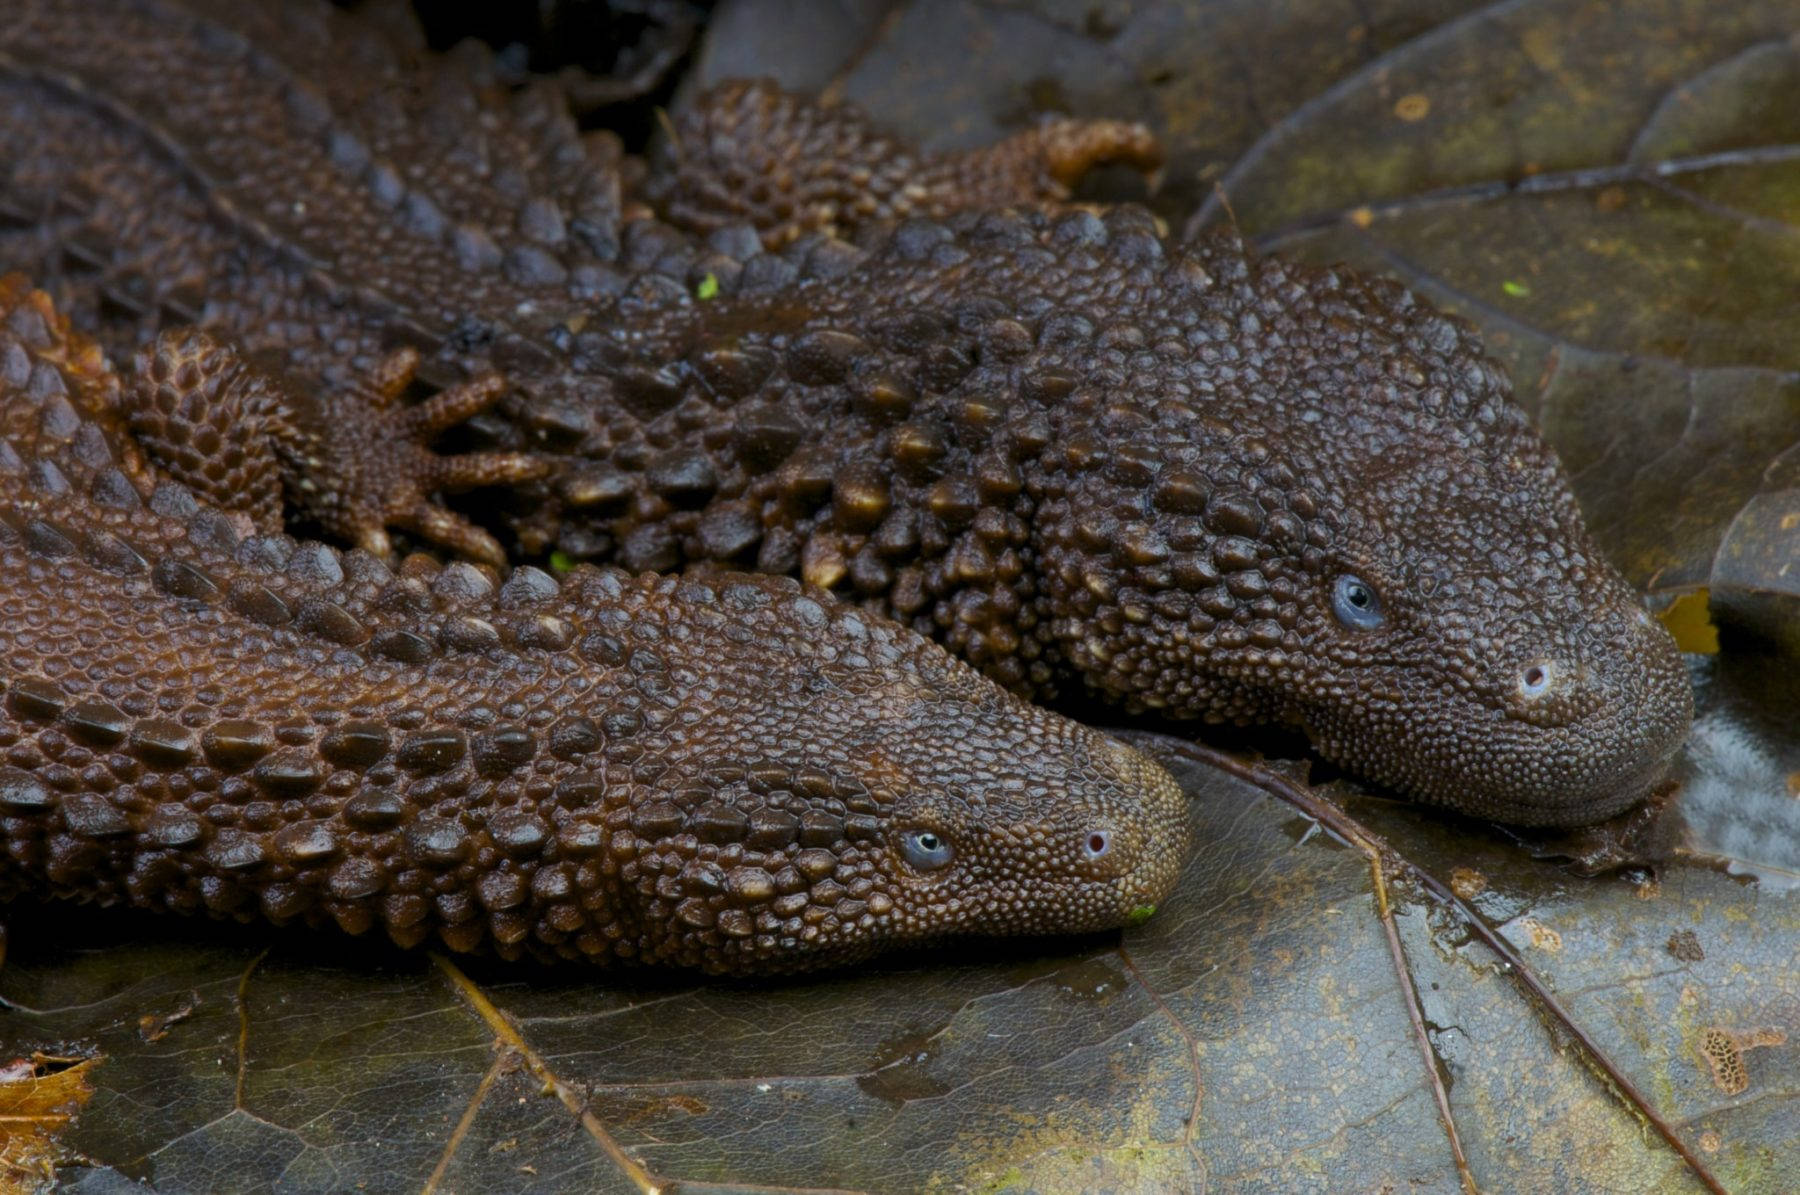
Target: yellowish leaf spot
[[1413, 108], [39, 1097], [1688, 620], [1542, 936], [1724, 1054], [1467, 883], [1610, 199]]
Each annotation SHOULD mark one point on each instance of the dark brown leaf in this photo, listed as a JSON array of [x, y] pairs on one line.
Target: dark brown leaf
[[1607, 189]]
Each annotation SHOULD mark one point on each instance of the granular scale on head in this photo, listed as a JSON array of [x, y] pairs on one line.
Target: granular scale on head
[[1187, 479], [728, 773], [1083, 457]]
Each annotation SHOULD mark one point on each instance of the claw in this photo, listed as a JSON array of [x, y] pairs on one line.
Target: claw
[[450, 530], [1071, 148], [458, 404], [391, 378], [400, 473], [457, 473], [376, 542]]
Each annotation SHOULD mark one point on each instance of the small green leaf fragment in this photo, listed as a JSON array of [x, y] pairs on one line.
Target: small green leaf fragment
[[708, 288], [1141, 914], [1516, 290], [561, 561]]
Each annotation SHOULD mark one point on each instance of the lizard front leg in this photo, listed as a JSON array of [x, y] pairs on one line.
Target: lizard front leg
[[356, 461], [750, 152]]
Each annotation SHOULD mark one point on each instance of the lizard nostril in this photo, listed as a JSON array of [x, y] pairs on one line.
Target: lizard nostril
[[1535, 679]]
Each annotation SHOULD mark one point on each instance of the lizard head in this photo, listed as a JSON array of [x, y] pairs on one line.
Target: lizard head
[[1310, 498], [1009, 818], [847, 786]]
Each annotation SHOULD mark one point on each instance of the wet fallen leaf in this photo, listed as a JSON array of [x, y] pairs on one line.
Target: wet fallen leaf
[[1607, 190], [39, 1097]]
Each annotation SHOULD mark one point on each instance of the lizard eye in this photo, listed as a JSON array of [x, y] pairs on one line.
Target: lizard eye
[[1097, 845], [925, 850], [1356, 603]]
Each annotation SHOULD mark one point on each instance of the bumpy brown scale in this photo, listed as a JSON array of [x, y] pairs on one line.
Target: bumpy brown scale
[[233, 436], [750, 153], [1080, 455], [729, 773]]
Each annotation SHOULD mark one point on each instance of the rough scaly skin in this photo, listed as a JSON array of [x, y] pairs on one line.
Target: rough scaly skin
[[716, 774], [1083, 457], [751, 153], [1080, 456], [354, 461], [327, 193]]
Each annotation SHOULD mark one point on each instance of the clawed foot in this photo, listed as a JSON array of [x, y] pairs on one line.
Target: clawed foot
[[355, 461], [750, 152], [1068, 149], [385, 475]]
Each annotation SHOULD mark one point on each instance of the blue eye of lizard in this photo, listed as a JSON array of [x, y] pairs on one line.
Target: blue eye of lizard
[[1356, 603], [925, 850]]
